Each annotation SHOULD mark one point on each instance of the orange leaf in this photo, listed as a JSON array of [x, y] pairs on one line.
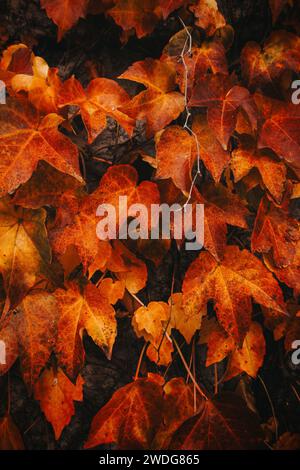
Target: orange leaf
[[134, 14], [223, 423], [127, 267], [102, 98], [111, 290], [249, 358], [280, 131], [223, 102], [178, 406], [275, 231], [130, 418], [175, 161], [212, 153], [231, 284], [57, 394], [273, 173], [83, 309], [25, 254], [35, 326], [65, 13], [25, 139], [280, 52], [159, 104], [208, 16]]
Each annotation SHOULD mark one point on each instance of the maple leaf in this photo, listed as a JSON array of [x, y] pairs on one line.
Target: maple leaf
[[113, 291], [65, 13], [210, 57], [26, 139], [222, 207], [10, 437], [122, 180], [213, 155], [158, 105], [25, 253], [167, 6], [45, 188], [178, 406], [75, 226], [35, 326], [280, 52], [152, 323], [83, 308], [127, 267], [223, 102], [57, 394], [222, 423], [15, 59], [174, 162], [231, 284], [249, 358], [133, 14], [130, 417], [272, 172], [275, 231], [208, 16], [180, 320], [279, 131], [102, 98]]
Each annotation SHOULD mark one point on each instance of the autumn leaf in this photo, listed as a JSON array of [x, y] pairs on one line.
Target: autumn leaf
[[272, 172], [57, 394], [122, 180], [25, 253], [210, 57], [181, 321], [213, 155], [103, 98], [152, 324], [127, 267], [174, 162], [133, 14], [221, 207], [208, 16], [10, 437], [35, 326], [223, 423], [65, 13], [16, 59], [45, 188], [280, 52], [130, 417], [83, 308], [275, 231], [178, 406], [280, 131], [249, 358], [111, 290], [168, 6], [231, 284], [75, 225], [223, 100], [159, 104], [26, 139]]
